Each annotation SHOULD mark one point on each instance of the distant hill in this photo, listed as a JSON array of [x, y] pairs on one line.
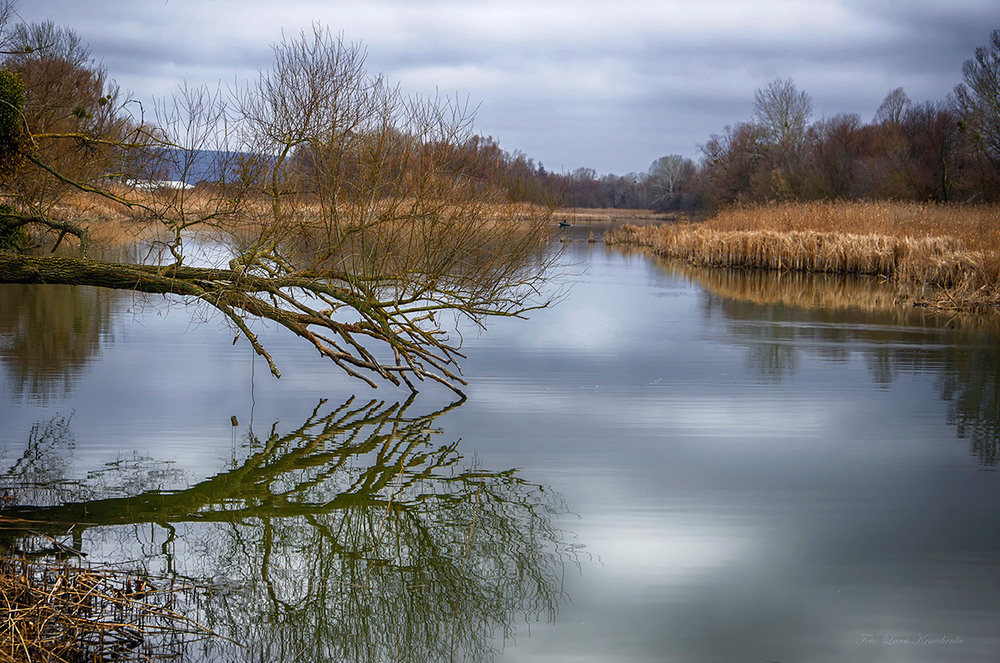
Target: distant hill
[[194, 166]]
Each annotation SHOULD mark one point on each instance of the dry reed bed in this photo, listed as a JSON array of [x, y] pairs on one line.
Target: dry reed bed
[[977, 226], [112, 224], [946, 257], [65, 612]]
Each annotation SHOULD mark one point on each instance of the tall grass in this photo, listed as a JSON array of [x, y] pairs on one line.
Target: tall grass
[[112, 224], [976, 226], [941, 256]]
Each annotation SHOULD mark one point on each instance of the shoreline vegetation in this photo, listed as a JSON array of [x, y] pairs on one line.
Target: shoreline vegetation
[[944, 257], [60, 608], [110, 225]]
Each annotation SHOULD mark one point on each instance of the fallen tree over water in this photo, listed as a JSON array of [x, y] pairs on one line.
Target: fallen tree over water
[[336, 207]]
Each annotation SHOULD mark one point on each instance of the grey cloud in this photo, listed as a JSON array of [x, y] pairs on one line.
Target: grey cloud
[[571, 84]]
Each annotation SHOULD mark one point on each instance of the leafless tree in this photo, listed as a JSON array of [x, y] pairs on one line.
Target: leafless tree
[[893, 107], [666, 176], [977, 101], [784, 111], [335, 199]]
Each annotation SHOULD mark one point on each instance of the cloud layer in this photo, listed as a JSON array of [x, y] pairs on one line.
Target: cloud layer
[[611, 86]]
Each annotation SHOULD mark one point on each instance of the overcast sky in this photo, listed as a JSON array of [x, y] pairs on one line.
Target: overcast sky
[[608, 85]]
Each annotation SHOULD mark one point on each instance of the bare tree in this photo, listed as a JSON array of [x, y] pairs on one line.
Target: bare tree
[[731, 165], [48, 40], [892, 108], [977, 100], [336, 201], [666, 176], [62, 128], [834, 156], [784, 111]]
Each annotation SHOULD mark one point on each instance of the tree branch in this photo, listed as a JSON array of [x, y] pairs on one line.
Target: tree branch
[[417, 351]]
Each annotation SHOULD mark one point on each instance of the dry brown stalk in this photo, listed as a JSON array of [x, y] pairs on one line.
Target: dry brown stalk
[[70, 611], [939, 256]]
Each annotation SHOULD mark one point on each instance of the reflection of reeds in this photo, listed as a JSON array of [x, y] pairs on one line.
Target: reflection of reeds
[[72, 612], [797, 289], [947, 257]]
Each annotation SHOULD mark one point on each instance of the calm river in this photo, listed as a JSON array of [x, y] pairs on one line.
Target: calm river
[[668, 465]]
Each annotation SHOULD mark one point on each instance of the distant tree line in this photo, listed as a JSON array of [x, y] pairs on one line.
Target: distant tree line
[[943, 151], [940, 151]]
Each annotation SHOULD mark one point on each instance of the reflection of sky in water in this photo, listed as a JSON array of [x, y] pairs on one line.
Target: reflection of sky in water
[[732, 515], [746, 488]]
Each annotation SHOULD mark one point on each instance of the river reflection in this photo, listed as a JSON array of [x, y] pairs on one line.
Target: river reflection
[[48, 334], [762, 467], [351, 536], [780, 317]]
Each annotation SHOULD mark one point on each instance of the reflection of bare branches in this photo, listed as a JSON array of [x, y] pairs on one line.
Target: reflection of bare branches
[[969, 383], [42, 469], [351, 536]]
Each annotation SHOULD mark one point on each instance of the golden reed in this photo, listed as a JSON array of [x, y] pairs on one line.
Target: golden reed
[[942, 256]]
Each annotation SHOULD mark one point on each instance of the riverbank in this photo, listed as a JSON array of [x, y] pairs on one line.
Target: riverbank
[[944, 257], [575, 224], [203, 213]]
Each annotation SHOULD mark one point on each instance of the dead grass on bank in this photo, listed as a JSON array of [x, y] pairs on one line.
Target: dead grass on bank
[[112, 224], [64, 612], [947, 257], [977, 227]]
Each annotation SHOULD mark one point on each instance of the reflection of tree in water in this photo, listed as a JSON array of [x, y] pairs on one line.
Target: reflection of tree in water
[[43, 467], [779, 316], [49, 333], [351, 537], [771, 352], [969, 382]]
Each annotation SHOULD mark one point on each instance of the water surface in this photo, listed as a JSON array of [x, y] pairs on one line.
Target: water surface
[[668, 465]]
